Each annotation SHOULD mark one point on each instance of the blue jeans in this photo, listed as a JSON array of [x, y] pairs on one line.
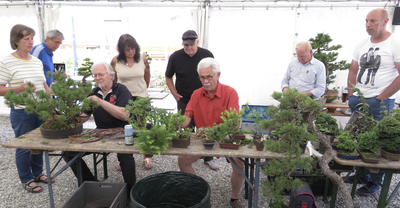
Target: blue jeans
[[377, 113], [28, 165]]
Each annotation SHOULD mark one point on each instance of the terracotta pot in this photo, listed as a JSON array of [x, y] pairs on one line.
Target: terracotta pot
[[209, 145], [181, 143], [60, 134], [330, 95], [368, 159], [241, 137], [230, 146], [389, 155]]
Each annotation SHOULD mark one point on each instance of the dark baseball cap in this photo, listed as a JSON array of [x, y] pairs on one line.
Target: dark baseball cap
[[189, 37]]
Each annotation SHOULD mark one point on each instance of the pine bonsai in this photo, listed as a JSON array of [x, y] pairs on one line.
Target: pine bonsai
[[60, 112], [325, 53], [86, 69], [325, 123], [230, 125]]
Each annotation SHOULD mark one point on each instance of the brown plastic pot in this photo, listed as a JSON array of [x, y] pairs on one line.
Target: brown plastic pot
[[259, 145], [229, 145], [181, 143], [59, 134], [389, 155], [368, 159]]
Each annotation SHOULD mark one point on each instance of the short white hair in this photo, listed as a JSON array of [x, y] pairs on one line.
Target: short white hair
[[208, 62], [109, 68]]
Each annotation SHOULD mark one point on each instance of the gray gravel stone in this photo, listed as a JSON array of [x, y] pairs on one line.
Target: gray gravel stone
[[12, 194]]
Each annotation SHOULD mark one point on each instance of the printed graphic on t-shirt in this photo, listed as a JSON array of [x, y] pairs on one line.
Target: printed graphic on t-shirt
[[369, 61]]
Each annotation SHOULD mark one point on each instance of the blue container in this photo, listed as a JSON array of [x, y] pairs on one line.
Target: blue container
[[248, 124]]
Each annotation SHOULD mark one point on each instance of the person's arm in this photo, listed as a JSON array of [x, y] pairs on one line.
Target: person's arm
[[187, 122], [320, 83], [17, 89], [171, 87], [46, 87], [116, 111], [113, 64], [351, 79], [285, 80], [392, 88], [146, 71]]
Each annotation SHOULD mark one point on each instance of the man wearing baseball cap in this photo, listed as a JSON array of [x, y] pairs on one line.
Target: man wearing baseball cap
[[183, 64]]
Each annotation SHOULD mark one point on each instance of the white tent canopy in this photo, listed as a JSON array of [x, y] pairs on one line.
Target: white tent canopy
[[253, 40]]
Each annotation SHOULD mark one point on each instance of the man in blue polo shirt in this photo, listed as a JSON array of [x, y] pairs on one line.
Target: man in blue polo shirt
[[44, 52]]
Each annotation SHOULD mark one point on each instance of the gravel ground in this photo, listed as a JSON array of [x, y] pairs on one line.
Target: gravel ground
[[12, 194]]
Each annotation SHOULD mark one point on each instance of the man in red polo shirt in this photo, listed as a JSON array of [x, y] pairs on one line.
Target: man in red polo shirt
[[205, 107]]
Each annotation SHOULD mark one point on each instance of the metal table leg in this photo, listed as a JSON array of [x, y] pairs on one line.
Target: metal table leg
[[385, 189], [46, 156]]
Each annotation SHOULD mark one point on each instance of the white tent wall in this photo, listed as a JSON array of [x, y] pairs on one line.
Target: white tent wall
[[253, 45]]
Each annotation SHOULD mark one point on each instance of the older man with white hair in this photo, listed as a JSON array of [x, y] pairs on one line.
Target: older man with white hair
[[112, 97], [205, 107], [306, 73]]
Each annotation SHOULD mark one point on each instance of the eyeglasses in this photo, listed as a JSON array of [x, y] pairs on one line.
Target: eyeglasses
[[129, 49], [99, 75], [209, 78], [56, 42], [300, 57]]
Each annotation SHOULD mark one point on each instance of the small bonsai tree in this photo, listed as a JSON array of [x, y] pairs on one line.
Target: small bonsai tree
[[325, 123], [138, 109], [368, 143], [173, 123], [346, 142], [325, 53], [85, 69], [230, 125], [388, 132]]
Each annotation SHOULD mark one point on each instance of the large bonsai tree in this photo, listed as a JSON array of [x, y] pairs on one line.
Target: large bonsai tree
[[325, 53], [60, 111]]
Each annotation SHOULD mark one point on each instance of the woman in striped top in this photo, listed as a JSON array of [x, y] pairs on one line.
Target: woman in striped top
[[15, 70]]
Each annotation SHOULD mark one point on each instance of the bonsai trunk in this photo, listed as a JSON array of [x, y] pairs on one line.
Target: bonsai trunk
[[325, 159]]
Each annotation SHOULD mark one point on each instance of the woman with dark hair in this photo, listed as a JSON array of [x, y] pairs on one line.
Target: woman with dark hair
[[16, 70], [132, 70]]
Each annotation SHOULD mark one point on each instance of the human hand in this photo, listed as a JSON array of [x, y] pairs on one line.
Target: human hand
[[65, 75], [177, 96], [24, 86], [95, 98]]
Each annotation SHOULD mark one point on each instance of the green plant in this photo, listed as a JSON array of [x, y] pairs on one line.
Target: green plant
[[325, 123], [368, 142], [159, 81], [325, 53], [138, 110], [85, 69], [289, 124], [148, 57], [173, 122], [60, 112], [346, 142], [230, 125], [154, 140], [388, 132]]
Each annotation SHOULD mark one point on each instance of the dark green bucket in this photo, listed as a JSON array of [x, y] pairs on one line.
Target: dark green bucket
[[171, 189]]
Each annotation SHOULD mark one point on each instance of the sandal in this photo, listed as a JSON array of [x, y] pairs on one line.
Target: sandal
[[30, 189], [147, 163], [39, 178]]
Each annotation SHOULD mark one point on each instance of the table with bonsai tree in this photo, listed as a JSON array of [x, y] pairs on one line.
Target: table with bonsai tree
[[116, 144], [388, 166]]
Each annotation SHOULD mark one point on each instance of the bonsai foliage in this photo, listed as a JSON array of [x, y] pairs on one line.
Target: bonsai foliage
[[325, 123], [154, 140], [138, 109], [85, 69], [230, 125], [346, 142], [60, 112], [289, 125], [388, 132], [368, 142], [325, 53], [173, 123]]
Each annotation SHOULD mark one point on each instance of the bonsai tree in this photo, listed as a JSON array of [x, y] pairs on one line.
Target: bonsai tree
[[85, 69], [388, 132], [138, 110], [154, 139], [325, 123], [368, 144], [289, 125], [60, 112], [230, 125], [173, 123], [346, 143], [327, 55]]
